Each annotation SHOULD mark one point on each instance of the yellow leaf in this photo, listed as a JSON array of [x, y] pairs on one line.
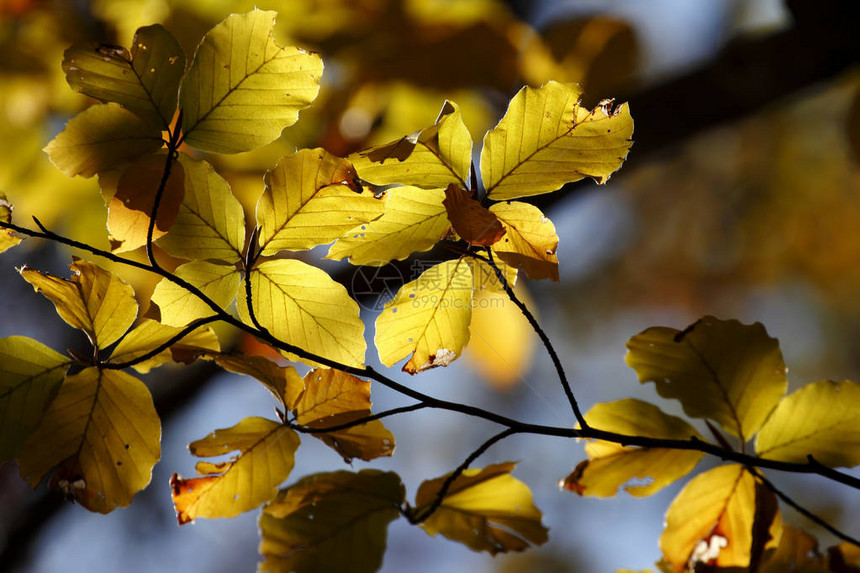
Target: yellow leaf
[[149, 335], [820, 420], [210, 223], [487, 510], [7, 238], [413, 221], [282, 381], [430, 158], [530, 240], [640, 471], [546, 139], [103, 430], [94, 300], [145, 81], [242, 89], [333, 397], [729, 372], [711, 520], [311, 199], [101, 138], [475, 224], [179, 307], [330, 522], [797, 553], [428, 318], [267, 455], [484, 277], [30, 376], [303, 306]]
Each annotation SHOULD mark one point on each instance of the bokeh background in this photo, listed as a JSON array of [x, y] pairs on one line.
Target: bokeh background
[[740, 199]]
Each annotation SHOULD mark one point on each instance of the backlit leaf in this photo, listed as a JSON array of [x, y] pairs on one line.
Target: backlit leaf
[[267, 454], [413, 221], [303, 306], [242, 89], [546, 139], [7, 238], [821, 420], [475, 224], [484, 277], [330, 522], [149, 335], [30, 376], [94, 300], [640, 471], [282, 381], [311, 199], [333, 397], [486, 509], [103, 432], [179, 307], [729, 372], [428, 319], [100, 138], [530, 241], [145, 81], [797, 553]]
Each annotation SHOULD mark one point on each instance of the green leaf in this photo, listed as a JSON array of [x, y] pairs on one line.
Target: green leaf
[[267, 455], [530, 240], [101, 138], [149, 335], [486, 509], [330, 522], [103, 431], [30, 376], [242, 89], [179, 307], [729, 372], [546, 139], [820, 420], [640, 471], [145, 81], [282, 381]]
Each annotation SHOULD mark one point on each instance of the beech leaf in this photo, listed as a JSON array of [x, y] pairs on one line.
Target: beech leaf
[[475, 224], [283, 382], [149, 335], [179, 307], [530, 241]]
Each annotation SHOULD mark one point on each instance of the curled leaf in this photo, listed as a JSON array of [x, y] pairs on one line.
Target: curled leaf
[[475, 224]]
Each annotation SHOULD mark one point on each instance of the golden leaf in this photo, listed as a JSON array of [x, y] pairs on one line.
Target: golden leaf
[[530, 240], [283, 382], [179, 307], [149, 335]]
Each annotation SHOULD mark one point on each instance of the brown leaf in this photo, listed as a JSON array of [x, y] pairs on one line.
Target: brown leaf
[[474, 223]]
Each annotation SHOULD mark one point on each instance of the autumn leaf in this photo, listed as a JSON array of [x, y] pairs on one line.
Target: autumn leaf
[[94, 300], [640, 471], [144, 81], [428, 319], [242, 89], [149, 335], [226, 489], [485, 278], [7, 238], [729, 372], [486, 509], [103, 432], [30, 377], [309, 525], [819, 420], [179, 307], [475, 224], [283, 382], [546, 139], [311, 199], [797, 552], [530, 241]]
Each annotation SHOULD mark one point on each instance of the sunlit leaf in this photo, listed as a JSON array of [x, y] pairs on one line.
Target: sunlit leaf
[[282, 381], [311, 199], [530, 241], [413, 221], [7, 238], [103, 431], [428, 320], [430, 158], [729, 372], [475, 224], [303, 306], [242, 89], [546, 139], [149, 335], [100, 138], [30, 376], [484, 277], [330, 522], [179, 307], [333, 397], [266, 458], [640, 471], [820, 420], [94, 300], [797, 553], [210, 223], [145, 81], [486, 509]]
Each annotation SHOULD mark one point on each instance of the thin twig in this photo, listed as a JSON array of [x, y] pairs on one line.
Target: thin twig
[[357, 422], [161, 347]]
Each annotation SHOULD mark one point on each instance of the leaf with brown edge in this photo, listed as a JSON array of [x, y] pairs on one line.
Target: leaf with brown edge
[[282, 381], [149, 335], [530, 240], [331, 398], [94, 300], [308, 527], [266, 457], [475, 224], [485, 509]]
